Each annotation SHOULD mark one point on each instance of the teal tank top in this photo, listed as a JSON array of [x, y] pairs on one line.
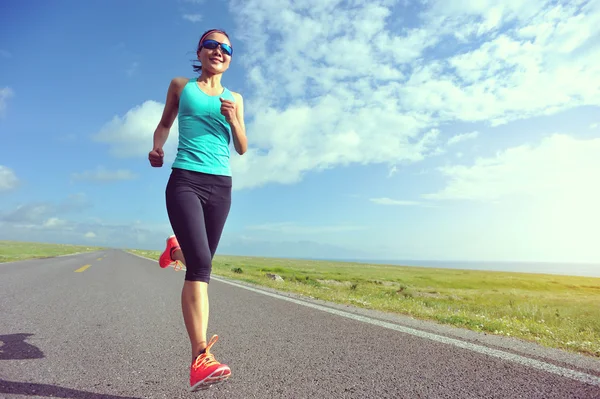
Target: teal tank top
[[204, 134]]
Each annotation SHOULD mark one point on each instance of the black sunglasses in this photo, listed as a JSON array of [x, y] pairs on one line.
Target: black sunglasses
[[213, 44]]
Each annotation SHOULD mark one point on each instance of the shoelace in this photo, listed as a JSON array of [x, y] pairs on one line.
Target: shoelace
[[177, 266], [206, 359]]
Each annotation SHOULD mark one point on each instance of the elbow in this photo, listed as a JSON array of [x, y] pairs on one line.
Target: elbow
[[165, 124], [241, 146]]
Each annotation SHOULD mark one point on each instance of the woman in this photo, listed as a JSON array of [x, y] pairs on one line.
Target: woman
[[198, 193]]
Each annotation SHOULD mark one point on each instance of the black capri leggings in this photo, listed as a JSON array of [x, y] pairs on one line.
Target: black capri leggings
[[198, 205]]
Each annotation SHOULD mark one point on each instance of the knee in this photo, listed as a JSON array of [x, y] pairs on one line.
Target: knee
[[202, 277], [198, 269]]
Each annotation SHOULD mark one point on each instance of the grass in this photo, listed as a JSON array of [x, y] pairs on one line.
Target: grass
[[16, 250], [555, 311]]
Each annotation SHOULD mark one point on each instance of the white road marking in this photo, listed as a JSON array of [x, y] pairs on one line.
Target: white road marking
[[537, 364]]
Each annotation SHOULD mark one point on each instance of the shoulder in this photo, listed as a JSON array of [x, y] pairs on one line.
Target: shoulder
[[178, 83], [237, 97]]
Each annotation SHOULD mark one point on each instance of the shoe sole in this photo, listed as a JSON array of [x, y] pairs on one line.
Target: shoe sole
[[216, 377]]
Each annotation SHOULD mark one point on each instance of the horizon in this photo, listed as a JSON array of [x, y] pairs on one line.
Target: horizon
[[473, 133], [591, 269]]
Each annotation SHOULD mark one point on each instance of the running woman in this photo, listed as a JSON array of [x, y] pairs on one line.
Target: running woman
[[198, 193]]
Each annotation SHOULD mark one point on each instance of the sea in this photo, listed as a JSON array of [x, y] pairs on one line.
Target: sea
[[567, 269]]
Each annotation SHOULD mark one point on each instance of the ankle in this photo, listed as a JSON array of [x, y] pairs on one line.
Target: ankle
[[173, 253], [199, 349]]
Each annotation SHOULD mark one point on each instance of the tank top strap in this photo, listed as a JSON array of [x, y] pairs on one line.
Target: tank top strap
[[188, 84], [227, 94]]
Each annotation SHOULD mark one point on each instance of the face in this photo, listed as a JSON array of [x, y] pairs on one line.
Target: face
[[215, 60]]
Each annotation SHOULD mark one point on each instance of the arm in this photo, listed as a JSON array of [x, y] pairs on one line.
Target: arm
[[169, 113], [238, 127]]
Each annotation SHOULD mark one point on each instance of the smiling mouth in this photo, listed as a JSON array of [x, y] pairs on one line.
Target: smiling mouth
[[216, 59]]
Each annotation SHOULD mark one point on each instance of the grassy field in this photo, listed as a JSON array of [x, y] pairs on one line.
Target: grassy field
[[555, 311], [15, 250]]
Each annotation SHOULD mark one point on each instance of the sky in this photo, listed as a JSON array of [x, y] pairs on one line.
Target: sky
[[377, 129]]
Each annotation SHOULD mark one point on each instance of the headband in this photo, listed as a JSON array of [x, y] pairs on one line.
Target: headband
[[208, 33]]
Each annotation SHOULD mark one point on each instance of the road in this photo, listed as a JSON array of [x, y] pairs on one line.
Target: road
[[108, 325]]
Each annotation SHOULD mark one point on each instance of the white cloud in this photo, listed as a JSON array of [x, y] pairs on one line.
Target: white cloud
[[128, 235], [477, 18], [532, 202], [560, 166], [8, 179], [393, 170], [294, 228], [537, 67], [54, 222], [44, 212], [332, 106], [192, 17], [329, 86], [302, 139], [594, 125], [389, 201], [132, 134], [462, 137], [358, 91], [49, 222], [101, 174], [5, 94]]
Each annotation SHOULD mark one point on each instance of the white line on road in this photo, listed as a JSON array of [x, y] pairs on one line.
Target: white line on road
[[537, 364]]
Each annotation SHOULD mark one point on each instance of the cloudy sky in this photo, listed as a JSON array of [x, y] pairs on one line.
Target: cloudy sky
[[377, 129]]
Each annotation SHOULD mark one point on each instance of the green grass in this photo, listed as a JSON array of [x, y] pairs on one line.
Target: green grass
[[15, 250], [555, 311]]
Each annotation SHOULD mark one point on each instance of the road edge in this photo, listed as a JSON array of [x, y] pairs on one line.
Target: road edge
[[51, 257], [509, 348]]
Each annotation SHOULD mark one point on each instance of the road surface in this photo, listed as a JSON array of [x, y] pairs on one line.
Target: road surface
[[108, 325]]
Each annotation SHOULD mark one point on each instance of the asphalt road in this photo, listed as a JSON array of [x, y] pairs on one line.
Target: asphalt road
[[115, 330]]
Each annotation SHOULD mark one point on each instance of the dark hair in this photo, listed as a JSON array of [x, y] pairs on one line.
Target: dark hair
[[198, 67]]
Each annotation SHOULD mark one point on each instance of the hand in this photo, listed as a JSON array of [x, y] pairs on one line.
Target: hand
[[156, 157], [228, 110]]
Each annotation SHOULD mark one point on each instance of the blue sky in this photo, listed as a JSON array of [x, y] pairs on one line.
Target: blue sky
[[380, 129]]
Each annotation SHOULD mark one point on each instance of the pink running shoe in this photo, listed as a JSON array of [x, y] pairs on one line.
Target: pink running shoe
[[206, 371], [166, 259]]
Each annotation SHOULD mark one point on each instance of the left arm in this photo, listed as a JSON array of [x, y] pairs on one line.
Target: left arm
[[234, 112]]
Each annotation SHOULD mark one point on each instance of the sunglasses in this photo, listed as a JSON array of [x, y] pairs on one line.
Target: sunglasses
[[213, 44]]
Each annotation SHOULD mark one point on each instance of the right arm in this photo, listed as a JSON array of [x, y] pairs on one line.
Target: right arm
[[169, 112]]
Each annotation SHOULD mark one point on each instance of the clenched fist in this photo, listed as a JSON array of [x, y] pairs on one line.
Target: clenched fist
[[156, 157], [228, 110]]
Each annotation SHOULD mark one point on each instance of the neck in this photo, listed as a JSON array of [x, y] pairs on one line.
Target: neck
[[210, 79]]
